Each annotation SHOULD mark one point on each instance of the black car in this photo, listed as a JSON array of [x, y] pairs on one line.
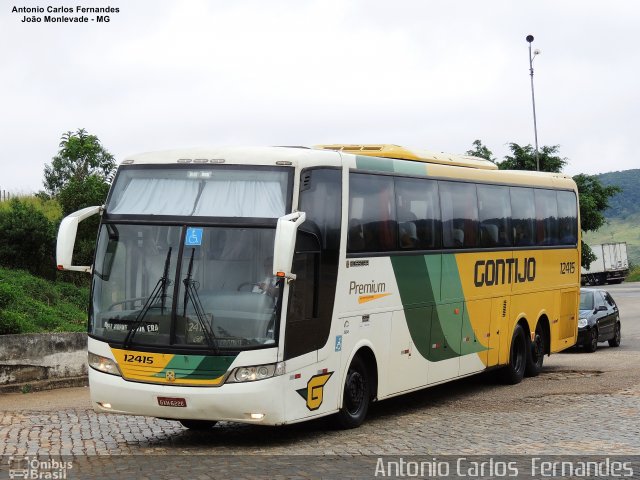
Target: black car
[[599, 319]]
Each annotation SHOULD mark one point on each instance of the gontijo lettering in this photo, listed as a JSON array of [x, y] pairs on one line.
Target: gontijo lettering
[[501, 271]]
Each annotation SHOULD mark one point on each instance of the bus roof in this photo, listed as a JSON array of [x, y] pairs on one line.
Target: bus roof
[[402, 153]]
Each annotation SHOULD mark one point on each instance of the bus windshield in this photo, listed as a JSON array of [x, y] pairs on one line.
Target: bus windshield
[[201, 287], [198, 191]]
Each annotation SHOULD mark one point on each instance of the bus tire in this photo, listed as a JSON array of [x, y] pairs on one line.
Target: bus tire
[[535, 359], [514, 371], [200, 425], [356, 396]]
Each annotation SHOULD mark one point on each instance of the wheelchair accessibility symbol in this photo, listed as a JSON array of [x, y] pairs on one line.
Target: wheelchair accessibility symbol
[[194, 237]]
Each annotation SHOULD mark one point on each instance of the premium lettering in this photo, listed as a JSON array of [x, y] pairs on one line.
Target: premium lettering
[[363, 288]]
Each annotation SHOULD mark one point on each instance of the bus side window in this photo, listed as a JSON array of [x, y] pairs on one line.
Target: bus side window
[[546, 217], [494, 207], [523, 216], [567, 218], [418, 213], [372, 214], [459, 214]]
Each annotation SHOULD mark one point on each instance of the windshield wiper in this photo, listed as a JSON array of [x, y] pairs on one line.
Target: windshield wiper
[[191, 294], [160, 290]]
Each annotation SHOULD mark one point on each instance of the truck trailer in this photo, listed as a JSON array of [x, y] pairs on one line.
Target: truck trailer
[[610, 266]]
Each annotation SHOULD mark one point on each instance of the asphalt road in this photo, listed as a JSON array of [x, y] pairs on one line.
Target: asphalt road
[[582, 403]]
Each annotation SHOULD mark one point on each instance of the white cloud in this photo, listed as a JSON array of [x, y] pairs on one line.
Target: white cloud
[[166, 74]]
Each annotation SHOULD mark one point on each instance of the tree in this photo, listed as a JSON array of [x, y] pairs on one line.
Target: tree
[[79, 177], [27, 239], [481, 151], [594, 200], [524, 158], [80, 156]]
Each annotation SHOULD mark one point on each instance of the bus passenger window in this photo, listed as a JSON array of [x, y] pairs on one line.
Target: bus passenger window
[[567, 218], [459, 214], [523, 216], [372, 211], [494, 207], [418, 213], [546, 217]]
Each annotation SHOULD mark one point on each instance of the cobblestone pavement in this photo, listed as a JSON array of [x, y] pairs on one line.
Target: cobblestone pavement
[[467, 418], [581, 404]]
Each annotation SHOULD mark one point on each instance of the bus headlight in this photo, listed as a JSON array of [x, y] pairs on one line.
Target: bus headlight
[[256, 372], [582, 323], [103, 364]]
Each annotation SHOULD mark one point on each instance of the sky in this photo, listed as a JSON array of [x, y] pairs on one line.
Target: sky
[[433, 74]]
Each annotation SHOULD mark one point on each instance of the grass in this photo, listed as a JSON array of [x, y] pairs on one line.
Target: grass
[[620, 230], [634, 275], [50, 208], [30, 304]]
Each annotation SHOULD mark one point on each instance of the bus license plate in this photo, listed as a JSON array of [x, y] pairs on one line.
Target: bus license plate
[[172, 402]]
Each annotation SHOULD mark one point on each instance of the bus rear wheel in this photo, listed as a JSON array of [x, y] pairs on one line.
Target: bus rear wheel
[[356, 396], [514, 372], [535, 359], [198, 424]]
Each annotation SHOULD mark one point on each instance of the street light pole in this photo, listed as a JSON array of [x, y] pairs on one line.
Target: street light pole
[[533, 97]]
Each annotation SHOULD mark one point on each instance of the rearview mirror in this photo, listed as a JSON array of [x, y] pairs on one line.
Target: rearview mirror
[[285, 243], [601, 308], [67, 239]]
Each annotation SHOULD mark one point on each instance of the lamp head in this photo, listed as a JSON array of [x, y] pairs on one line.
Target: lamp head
[[529, 38]]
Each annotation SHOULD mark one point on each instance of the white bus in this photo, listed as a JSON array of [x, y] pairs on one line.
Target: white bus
[[275, 285]]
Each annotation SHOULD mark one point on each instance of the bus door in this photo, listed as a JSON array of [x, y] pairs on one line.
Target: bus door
[[315, 263]]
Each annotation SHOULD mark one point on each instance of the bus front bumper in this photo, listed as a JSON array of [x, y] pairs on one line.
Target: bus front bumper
[[259, 402]]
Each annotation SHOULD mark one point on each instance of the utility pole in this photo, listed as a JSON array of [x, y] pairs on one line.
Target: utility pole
[[533, 97]]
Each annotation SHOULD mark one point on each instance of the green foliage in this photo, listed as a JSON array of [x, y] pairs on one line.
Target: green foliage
[[78, 177], [634, 275], [49, 207], [594, 200], [481, 151], [81, 155], [626, 202], [524, 158], [27, 239], [29, 304]]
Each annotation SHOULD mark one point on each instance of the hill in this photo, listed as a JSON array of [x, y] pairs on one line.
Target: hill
[[626, 203], [30, 304], [623, 216]]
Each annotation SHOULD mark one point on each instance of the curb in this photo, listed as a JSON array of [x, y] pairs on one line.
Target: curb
[[41, 385]]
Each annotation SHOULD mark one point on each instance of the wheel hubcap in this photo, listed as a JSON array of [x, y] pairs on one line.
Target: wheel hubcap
[[354, 393]]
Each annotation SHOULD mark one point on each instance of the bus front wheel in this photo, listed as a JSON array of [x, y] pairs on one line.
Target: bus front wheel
[[356, 396], [514, 371]]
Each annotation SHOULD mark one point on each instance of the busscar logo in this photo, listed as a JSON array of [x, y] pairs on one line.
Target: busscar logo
[[314, 392], [357, 263], [170, 376]]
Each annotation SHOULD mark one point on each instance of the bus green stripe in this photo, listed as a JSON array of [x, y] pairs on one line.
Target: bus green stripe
[[198, 366], [437, 329]]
